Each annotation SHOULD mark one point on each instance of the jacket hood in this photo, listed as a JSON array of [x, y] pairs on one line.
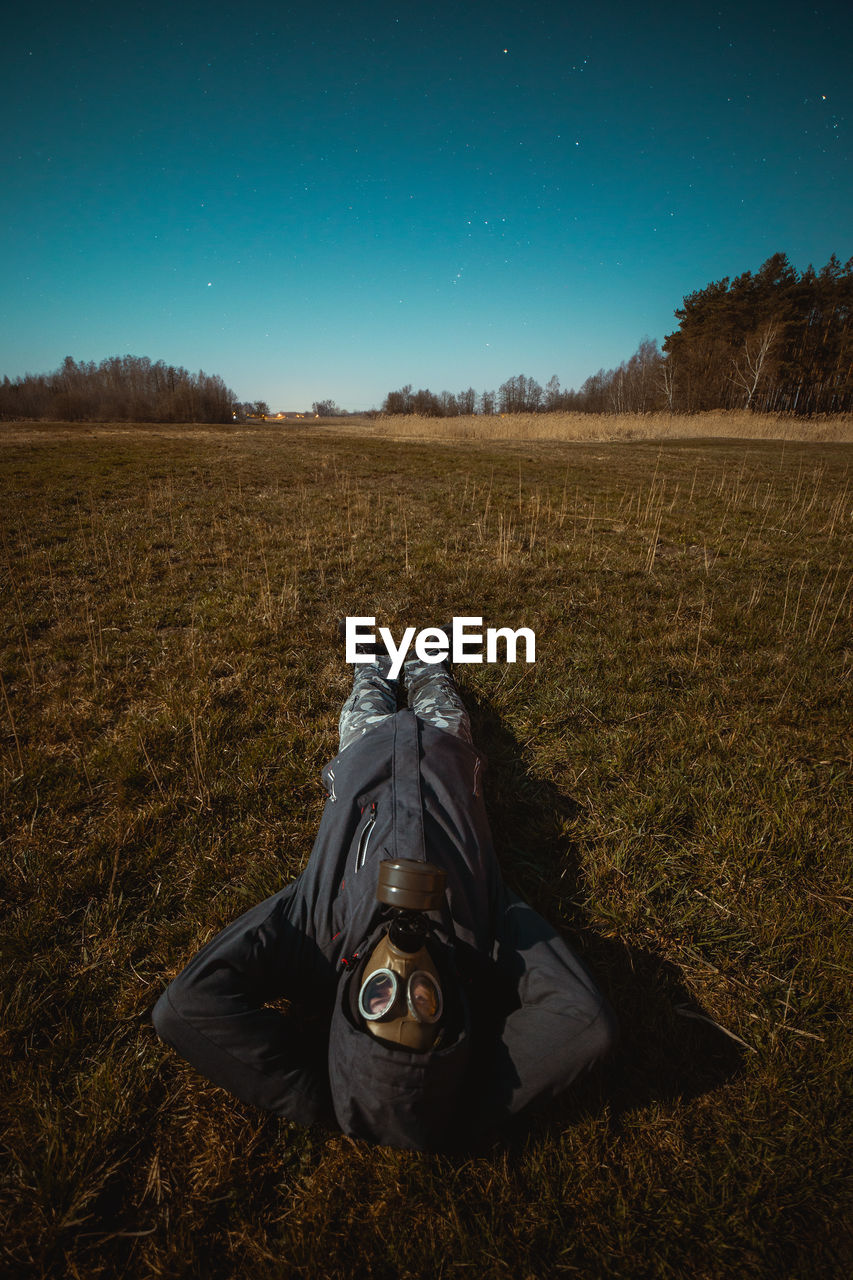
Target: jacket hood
[[386, 1094]]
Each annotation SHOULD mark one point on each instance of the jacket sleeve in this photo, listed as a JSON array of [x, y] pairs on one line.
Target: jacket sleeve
[[216, 1015], [560, 1024]]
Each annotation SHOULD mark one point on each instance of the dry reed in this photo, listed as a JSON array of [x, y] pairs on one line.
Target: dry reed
[[738, 425]]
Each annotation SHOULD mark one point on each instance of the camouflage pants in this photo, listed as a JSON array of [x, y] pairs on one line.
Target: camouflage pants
[[431, 692]]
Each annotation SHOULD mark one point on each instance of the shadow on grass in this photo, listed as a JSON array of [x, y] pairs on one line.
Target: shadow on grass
[[666, 1052]]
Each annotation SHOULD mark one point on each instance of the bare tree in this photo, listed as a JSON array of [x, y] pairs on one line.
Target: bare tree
[[752, 364], [666, 381], [467, 401], [520, 395], [553, 395], [399, 401]]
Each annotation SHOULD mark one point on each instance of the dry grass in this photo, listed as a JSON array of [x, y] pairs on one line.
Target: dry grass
[[669, 783], [586, 426]]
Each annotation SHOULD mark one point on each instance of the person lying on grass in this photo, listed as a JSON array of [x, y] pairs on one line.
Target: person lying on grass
[[427, 1004]]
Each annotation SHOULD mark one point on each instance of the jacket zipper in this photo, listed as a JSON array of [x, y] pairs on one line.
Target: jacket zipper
[[364, 839]]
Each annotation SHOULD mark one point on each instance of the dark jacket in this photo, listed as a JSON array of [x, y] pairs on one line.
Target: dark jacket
[[528, 1018]]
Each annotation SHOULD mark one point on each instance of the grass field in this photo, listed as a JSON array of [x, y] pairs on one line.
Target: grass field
[[669, 784]]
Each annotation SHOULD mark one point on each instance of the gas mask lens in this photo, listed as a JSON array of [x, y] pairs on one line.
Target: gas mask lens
[[378, 994], [424, 997]]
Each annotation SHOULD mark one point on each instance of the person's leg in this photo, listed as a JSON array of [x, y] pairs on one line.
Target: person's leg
[[373, 698], [433, 696]]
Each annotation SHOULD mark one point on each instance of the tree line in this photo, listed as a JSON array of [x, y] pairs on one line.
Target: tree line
[[632, 388], [120, 388], [775, 342]]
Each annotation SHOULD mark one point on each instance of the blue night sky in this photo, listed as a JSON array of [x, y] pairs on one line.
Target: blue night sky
[[333, 201]]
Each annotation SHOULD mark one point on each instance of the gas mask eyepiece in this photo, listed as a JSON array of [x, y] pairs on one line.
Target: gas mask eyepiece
[[383, 992]]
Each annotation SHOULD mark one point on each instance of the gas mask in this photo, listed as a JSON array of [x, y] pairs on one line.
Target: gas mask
[[401, 998]]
